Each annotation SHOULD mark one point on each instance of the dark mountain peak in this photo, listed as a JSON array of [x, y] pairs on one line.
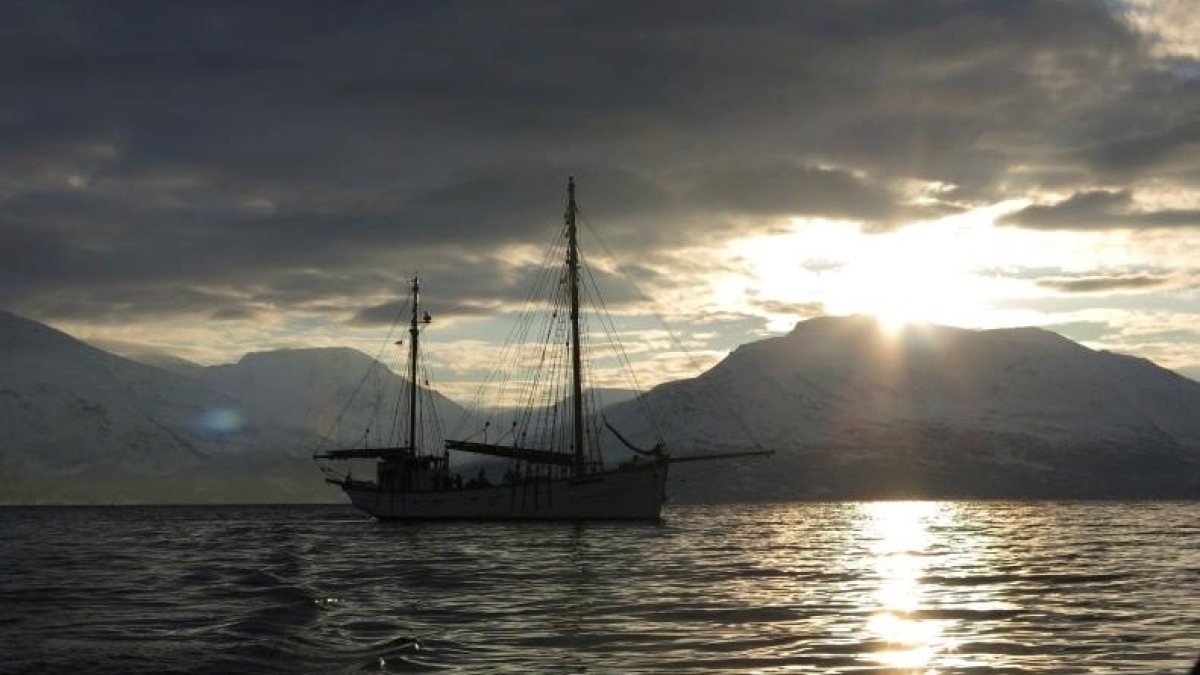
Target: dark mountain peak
[[307, 356], [1035, 337], [827, 339], [856, 332], [303, 364], [852, 325], [937, 368], [165, 361], [20, 333], [864, 327]]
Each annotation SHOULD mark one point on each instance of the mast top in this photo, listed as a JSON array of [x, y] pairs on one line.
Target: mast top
[[571, 207]]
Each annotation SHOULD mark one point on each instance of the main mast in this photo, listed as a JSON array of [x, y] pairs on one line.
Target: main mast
[[576, 359]]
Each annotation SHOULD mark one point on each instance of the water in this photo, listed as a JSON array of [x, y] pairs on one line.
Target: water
[[883, 587]]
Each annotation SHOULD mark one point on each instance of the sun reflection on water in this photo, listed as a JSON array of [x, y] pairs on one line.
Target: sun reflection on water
[[899, 542]]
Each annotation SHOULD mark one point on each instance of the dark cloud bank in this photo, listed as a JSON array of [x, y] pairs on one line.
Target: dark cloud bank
[[160, 155]]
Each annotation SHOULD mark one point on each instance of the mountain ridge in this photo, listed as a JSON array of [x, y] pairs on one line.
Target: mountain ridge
[[855, 411], [949, 412]]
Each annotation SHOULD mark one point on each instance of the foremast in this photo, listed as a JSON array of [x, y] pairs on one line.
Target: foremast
[[408, 449], [414, 336]]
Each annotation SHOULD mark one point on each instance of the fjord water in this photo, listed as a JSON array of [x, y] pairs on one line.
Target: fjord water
[[879, 587]]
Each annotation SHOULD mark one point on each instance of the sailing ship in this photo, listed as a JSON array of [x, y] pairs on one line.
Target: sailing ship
[[556, 469]]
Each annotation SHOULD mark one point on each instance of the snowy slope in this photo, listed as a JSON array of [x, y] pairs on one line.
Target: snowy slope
[[78, 423], [1023, 379], [856, 411], [852, 411], [339, 394]]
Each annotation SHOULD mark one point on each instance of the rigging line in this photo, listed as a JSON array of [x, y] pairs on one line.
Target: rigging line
[[429, 398], [614, 338], [724, 402], [610, 329], [591, 404], [401, 399], [337, 421], [549, 352], [496, 381], [552, 360], [546, 351], [590, 290], [429, 411], [515, 390]]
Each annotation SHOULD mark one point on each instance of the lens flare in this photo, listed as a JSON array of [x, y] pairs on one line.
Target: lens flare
[[221, 421]]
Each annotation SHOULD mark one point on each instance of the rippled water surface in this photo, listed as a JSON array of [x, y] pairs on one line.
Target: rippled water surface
[[883, 587]]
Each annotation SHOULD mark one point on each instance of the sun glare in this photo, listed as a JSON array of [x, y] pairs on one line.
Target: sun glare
[[900, 542], [934, 272]]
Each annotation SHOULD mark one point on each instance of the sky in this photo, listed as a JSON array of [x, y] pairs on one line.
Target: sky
[[206, 179]]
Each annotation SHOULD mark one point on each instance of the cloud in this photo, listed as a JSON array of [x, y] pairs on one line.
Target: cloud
[[1097, 210], [1102, 284], [801, 310], [235, 160], [789, 190], [1082, 331]]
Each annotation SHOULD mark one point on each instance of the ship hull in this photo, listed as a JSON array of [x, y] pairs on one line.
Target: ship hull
[[636, 493]]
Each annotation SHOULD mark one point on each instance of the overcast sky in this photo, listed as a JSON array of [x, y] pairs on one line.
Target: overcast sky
[[211, 178]]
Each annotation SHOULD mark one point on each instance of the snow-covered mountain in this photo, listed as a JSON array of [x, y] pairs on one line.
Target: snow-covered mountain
[[938, 411], [852, 411], [338, 394], [80, 424]]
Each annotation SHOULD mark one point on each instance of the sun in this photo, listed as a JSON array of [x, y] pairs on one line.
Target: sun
[[959, 270], [893, 323], [914, 275], [901, 294]]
